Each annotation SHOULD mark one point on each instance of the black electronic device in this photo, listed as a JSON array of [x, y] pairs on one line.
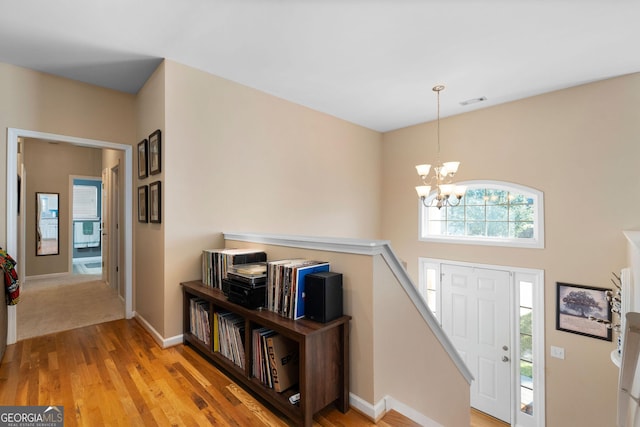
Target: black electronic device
[[323, 296], [245, 294], [253, 274]]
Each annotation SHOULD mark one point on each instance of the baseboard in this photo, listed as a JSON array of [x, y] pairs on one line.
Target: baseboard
[[373, 412], [376, 412], [46, 276], [407, 411], [162, 342]]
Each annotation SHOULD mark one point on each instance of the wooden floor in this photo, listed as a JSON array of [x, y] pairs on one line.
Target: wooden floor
[[115, 374], [479, 419]]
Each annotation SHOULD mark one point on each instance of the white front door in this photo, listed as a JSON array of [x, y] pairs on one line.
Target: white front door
[[476, 316]]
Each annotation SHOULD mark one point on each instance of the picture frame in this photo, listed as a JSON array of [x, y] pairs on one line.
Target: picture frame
[[155, 202], [143, 170], [142, 204], [578, 309], [155, 153]]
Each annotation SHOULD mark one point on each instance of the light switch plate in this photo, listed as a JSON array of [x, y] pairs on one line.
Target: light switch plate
[[557, 352]]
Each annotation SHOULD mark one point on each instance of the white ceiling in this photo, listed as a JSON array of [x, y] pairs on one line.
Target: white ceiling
[[371, 62]]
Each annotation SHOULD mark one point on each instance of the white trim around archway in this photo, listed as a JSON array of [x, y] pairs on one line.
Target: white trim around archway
[[12, 199]]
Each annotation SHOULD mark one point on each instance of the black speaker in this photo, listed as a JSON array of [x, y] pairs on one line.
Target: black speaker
[[323, 296]]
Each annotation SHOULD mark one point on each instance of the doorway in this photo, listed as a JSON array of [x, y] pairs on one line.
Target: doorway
[[508, 383], [12, 204], [475, 315], [86, 230]]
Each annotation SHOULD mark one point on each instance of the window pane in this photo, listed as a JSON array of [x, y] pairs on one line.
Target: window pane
[[476, 213], [497, 229], [526, 295], [526, 400], [496, 197], [431, 279], [456, 213], [498, 213], [521, 212], [474, 196], [431, 300], [455, 228], [526, 349], [85, 202], [475, 228], [521, 230], [525, 320], [437, 228], [518, 199]]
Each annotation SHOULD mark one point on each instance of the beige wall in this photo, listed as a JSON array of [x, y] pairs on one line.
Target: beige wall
[[39, 102], [240, 160], [48, 170], [410, 364], [579, 146], [150, 265]]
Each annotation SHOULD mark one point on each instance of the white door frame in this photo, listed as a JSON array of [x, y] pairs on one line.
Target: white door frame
[[518, 418], [12, 181], [114, 228]]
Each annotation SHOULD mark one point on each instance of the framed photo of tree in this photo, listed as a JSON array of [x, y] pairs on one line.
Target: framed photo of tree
[[583, 310]]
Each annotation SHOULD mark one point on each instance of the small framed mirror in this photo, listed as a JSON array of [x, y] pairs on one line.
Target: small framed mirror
[[47, 224]]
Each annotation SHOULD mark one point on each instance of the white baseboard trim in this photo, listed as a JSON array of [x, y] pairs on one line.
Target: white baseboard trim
[[386, 404], [412, 414], [46, 276], [162, 342], [373, 412]]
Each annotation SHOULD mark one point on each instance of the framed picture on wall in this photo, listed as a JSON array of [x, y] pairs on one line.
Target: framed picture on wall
[[142, 159], [142, 204], [155, 198], [155, 158], [583, 310]]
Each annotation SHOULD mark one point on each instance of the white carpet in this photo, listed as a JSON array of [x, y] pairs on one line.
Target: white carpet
[[69, 302]]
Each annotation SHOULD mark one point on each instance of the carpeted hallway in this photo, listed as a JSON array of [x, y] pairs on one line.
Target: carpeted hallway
[[66, 302]]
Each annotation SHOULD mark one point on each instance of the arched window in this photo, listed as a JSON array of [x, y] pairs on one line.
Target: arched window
[[490, 213]]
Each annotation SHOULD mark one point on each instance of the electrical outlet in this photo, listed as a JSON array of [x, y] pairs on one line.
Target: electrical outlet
[[557, 352]]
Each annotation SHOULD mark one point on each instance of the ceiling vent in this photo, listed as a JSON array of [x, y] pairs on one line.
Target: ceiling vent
[[473, 101]]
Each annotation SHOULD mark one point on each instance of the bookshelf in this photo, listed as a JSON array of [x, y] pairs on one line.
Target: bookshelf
[[323, 351]]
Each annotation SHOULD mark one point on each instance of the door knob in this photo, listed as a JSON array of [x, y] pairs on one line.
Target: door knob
[[505, 359]]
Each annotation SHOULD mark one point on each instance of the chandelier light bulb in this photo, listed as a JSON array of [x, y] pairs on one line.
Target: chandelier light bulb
[[423, 191], [423, 170]]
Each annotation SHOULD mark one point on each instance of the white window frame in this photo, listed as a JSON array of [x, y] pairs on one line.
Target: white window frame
[[518, 275], [537, 242]]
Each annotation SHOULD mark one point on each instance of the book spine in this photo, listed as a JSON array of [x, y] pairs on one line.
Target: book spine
[[272, 364]]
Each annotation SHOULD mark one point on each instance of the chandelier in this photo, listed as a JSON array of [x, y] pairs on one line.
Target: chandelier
[[448, 193]]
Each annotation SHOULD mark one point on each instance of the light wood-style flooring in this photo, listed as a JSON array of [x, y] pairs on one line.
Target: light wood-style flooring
[[115, 374]]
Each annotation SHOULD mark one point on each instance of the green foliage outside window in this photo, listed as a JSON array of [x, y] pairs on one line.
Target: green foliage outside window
[[486, 212]]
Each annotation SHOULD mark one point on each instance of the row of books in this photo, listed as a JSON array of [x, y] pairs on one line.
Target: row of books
[[228, 333], [216, 263], [286, 285], [275, 359], [200, 325]]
